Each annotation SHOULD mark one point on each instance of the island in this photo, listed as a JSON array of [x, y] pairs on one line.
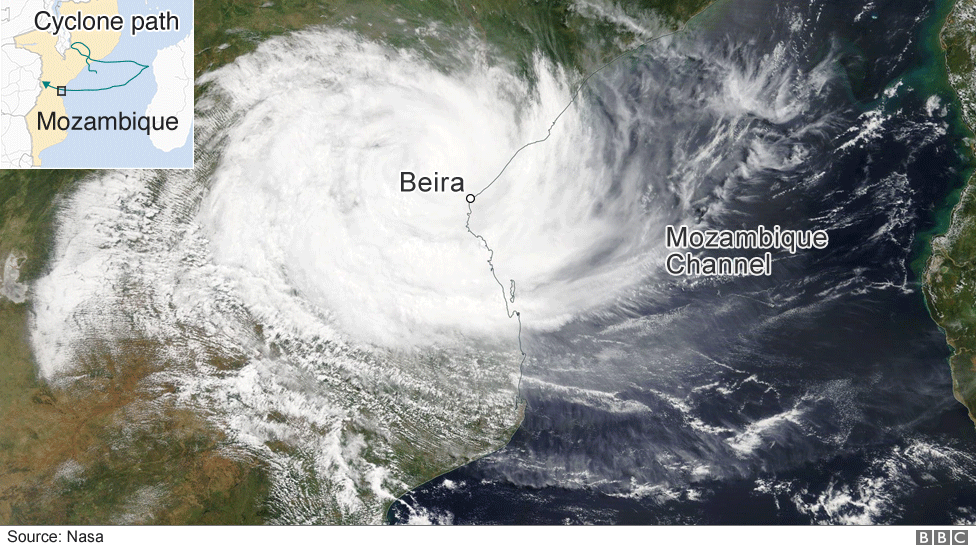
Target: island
[[950, 274]]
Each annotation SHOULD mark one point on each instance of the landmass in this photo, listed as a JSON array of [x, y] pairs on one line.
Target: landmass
[[950, 275], [174, 93], [108, 448]]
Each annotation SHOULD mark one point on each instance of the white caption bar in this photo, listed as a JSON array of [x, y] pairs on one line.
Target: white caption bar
[[487, 537]]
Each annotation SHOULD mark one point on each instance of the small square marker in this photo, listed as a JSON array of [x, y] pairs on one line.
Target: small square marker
[[62, 91]]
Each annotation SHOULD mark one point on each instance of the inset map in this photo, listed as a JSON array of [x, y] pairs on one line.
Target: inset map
[[97, 84]]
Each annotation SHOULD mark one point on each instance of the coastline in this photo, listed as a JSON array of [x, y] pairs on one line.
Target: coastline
[[949, 279]]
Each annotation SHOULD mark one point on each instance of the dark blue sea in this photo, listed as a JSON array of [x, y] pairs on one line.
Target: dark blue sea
[[820, 394]]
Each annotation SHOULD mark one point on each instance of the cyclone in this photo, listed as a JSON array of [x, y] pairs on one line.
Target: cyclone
[[327, 216], [308, 189]]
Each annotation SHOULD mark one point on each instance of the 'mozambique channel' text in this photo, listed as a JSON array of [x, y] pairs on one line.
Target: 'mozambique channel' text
[[760, 238]]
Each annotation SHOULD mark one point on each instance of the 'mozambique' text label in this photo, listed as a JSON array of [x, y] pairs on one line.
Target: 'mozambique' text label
[[121, 122]]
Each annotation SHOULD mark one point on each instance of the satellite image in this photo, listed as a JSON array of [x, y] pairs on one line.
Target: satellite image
[[489, 262]]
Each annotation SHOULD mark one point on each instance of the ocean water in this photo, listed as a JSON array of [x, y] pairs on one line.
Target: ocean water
[[821, 394]]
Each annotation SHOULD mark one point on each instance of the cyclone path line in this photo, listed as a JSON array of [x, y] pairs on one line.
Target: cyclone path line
[[509, 296], [88, 62]]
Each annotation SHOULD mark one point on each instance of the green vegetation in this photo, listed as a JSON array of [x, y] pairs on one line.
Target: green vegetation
[[26, 212], [226, 29], [950, 277]]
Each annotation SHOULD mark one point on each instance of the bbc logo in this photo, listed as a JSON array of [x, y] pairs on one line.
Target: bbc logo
[[941, 537]]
